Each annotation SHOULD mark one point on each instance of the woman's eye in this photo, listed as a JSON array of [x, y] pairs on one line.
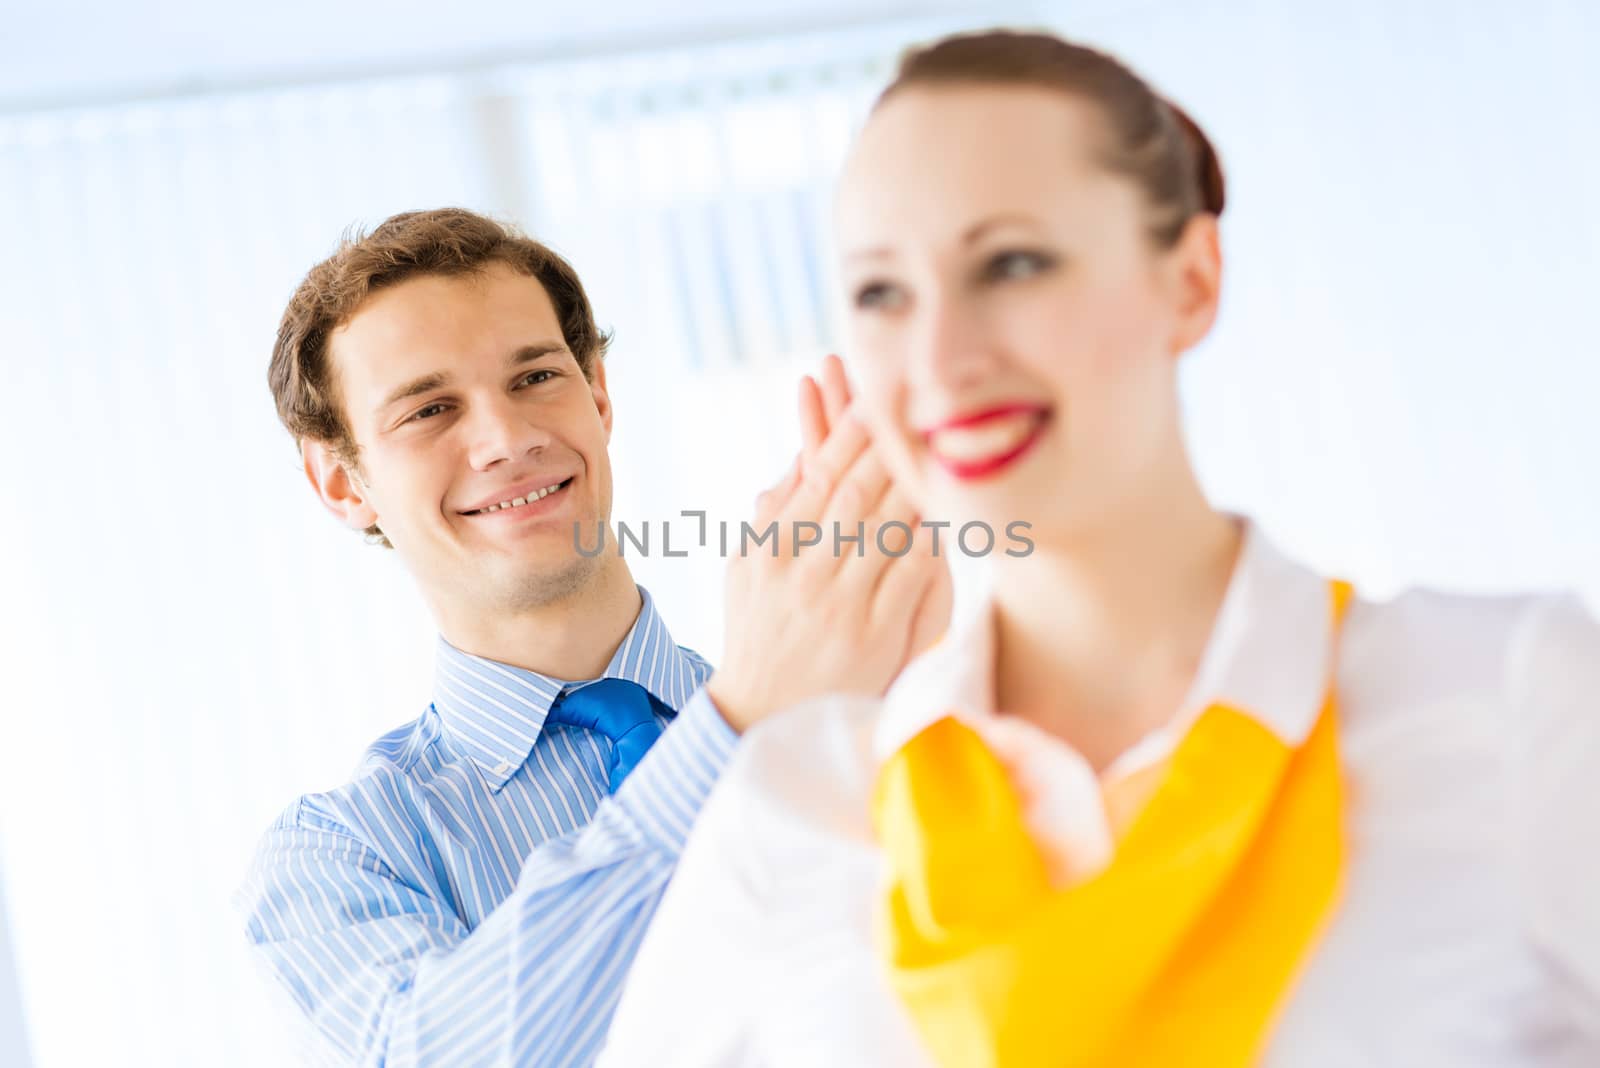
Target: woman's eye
[[1015, 264], [880, 296]]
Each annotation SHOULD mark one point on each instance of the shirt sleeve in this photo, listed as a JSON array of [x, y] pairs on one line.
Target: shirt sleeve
[[1555, 760], [389, 975], [693, 994]]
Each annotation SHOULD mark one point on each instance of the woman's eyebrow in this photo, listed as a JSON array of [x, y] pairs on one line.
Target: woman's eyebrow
[[994, 222]]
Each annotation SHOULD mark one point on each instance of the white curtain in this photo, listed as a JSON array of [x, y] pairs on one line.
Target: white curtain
[[1401, 386]]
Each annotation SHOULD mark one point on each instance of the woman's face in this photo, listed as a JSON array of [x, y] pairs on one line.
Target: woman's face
[[1013, 327]]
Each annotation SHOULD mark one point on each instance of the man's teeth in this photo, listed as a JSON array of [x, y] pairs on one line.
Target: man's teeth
[[985, 439], [518, 501]]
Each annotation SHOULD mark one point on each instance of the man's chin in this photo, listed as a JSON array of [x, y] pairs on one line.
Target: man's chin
[[547, 582]]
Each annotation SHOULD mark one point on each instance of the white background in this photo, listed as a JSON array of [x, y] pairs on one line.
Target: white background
[[1402, 385]]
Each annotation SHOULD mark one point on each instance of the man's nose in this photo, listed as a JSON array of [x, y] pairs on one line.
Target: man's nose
[[501, 431]]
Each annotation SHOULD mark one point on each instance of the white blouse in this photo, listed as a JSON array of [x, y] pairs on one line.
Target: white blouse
[[1467, 932]]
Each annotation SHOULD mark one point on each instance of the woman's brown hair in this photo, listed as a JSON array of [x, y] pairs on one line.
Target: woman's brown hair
[[1151, 140]]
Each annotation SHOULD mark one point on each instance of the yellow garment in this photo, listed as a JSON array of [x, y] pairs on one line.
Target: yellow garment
[[1178, 953]]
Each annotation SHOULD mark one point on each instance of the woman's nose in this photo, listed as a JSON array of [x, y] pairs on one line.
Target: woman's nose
[[949, 347]]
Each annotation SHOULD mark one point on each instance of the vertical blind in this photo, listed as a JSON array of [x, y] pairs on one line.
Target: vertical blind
[[1401, 386]]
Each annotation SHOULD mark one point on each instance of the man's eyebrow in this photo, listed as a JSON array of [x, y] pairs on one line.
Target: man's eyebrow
[[538, 350], [413, 388], [437, 379]]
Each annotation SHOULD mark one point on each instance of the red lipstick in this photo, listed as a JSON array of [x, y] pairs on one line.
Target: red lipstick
[[971, 468]]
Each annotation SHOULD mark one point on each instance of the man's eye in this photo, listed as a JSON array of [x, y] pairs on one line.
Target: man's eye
[[426, 412], [532, 378], [880, 296], [1016, 264]]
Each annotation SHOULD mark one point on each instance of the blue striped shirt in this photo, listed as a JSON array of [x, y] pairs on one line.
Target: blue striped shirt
[[474, 896]]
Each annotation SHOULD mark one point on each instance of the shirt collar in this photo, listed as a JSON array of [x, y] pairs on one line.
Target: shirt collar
[[495, 711], [1268, 657]]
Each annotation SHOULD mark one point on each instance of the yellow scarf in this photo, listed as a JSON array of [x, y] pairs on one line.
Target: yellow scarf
[[1178, 953]]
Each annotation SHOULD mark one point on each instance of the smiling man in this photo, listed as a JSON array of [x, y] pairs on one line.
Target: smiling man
[[474, 895]]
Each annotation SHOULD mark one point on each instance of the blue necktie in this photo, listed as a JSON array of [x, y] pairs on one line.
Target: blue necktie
[[621, 710]]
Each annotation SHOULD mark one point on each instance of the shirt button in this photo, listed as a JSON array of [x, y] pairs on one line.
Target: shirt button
[[502, 768]]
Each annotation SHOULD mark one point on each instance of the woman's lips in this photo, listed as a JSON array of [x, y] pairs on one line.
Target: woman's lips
[[982, 443]]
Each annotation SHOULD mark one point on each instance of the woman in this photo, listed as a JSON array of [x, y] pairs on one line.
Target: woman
[[1166, 797]]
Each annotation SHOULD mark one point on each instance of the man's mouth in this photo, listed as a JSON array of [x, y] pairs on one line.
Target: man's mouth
[[512, 503]]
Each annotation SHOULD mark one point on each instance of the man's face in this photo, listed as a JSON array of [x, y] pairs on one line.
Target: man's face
[[463, 398]]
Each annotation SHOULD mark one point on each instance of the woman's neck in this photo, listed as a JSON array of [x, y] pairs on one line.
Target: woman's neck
[[1099, 637]]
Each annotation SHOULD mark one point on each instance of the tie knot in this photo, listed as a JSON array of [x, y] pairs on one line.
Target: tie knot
[[623, 711]]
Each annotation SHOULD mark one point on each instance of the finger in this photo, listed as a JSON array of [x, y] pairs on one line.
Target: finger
[[881, 544], [897, 507], [847, 536], [836, 393], [813, 417], [771, 501], [933, 614], [846, 441], [860, 491], [917, 589]]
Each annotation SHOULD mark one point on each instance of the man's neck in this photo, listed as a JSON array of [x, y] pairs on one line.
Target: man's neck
[[571, 639]]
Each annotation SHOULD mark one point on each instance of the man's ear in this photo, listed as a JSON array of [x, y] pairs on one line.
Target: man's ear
[[602, 396], [342, 493], [1198, 258]]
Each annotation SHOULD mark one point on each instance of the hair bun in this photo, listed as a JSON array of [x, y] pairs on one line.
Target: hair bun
[[1207, 168]]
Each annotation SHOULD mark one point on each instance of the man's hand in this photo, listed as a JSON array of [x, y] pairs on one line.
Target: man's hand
[[812, 621]]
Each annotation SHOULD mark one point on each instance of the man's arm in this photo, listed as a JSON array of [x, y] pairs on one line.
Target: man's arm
[[389, 975], [701, 978]]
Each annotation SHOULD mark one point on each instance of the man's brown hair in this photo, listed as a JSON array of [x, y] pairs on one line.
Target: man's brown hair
[[445, 241]]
